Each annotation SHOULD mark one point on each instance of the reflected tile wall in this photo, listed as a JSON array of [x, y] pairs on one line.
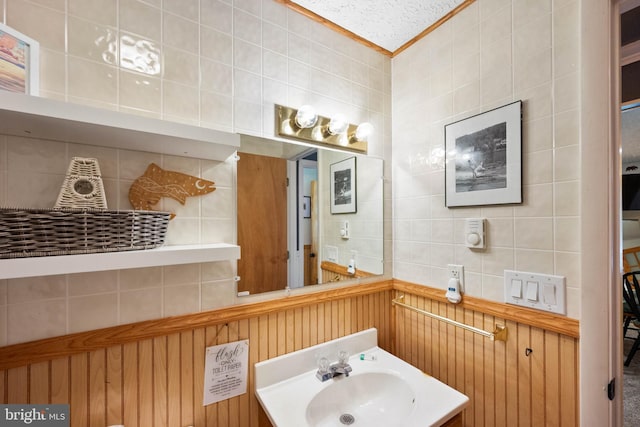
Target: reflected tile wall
[[502, 51], [212, 63]]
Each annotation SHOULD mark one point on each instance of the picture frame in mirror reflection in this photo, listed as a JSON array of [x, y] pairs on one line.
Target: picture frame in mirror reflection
[[19, 62], [484, 158], [307, 206], [343, 186]]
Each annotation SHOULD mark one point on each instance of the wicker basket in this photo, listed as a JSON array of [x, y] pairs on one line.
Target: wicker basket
[[82, 187], [68, 231]]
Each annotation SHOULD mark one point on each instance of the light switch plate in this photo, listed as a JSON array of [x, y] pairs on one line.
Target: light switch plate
[[549, 291], [331, 253]]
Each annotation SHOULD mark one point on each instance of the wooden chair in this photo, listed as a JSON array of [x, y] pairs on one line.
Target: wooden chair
[[632, 310], [631, 259]]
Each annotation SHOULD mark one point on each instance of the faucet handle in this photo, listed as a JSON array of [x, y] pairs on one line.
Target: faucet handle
[[323, 365], [343, 357], [324, 370]]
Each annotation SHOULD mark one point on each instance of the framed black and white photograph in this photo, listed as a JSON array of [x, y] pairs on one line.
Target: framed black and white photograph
[[343, 186], [484, 158], [19, 62]]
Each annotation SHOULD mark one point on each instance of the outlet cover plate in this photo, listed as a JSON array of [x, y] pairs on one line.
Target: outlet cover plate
[[456, 271]]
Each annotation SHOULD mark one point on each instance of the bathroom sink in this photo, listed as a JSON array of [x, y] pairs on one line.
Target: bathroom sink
[[370, 398], [381, 390]]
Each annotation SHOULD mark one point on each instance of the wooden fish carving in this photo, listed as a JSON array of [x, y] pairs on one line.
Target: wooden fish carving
[[155, 183]]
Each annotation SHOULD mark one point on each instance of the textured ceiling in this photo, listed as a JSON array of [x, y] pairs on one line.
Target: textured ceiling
[[386, 23]]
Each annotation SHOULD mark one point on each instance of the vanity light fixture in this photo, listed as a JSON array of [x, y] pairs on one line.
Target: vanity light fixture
[[362, 133], [337, 125], [306, 117], [306, 125]]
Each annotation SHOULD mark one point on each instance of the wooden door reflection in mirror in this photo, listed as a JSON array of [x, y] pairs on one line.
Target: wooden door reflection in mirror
[[262, 224]]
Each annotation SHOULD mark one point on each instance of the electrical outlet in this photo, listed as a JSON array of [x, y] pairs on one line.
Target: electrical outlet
[[456, 271]]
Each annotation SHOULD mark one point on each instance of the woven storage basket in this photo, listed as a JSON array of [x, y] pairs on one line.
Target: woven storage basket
[[68, 231]]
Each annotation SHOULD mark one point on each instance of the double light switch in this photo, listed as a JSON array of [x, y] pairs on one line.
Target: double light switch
[[540, 291]]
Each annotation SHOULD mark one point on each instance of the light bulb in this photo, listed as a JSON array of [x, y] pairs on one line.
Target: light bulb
[[306, 117], [364, 131], [317, 134], [338, 125]]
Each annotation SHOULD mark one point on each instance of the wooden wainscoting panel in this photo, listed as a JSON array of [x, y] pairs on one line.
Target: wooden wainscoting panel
[[490, 402], [97, 388], [199, 349], [569, 370], [59, 383], [18, 385], [186, 378], [130, 384], [524, 374], [80, 390], [3, 387], [537, 377], [113, 380], [174, 387], [39, 383], [158, 381], [145, 383], [529, 380]]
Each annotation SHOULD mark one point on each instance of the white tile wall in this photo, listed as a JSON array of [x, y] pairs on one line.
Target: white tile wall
[[220, 64], [494, 52]]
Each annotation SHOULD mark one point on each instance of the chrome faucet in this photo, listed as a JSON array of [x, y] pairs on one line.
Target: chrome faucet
[[341, 367]]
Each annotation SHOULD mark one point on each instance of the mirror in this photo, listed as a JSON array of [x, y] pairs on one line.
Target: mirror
[[630, 139], [306, 215]]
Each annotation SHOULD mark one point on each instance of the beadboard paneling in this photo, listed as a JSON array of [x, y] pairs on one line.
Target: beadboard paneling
[[152, 373], [158, 381], [506, 386]]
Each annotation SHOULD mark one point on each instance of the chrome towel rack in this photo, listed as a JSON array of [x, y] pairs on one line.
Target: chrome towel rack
[[500, 333]]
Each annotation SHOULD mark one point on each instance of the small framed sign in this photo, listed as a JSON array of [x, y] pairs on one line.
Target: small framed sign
[[484, 158], [19, 62]]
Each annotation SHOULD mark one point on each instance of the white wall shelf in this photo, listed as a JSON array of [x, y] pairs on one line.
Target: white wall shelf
[[165, 255], [49, 119]]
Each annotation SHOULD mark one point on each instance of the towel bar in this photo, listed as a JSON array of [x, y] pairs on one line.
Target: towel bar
[[500, 333]]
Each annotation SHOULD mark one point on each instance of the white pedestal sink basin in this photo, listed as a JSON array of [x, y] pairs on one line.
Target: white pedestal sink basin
[[384, 392]]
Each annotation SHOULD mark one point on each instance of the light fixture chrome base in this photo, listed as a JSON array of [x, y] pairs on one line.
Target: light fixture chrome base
[[286, 127]]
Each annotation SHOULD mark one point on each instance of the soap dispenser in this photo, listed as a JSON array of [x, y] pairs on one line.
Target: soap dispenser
[[351, 268]]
